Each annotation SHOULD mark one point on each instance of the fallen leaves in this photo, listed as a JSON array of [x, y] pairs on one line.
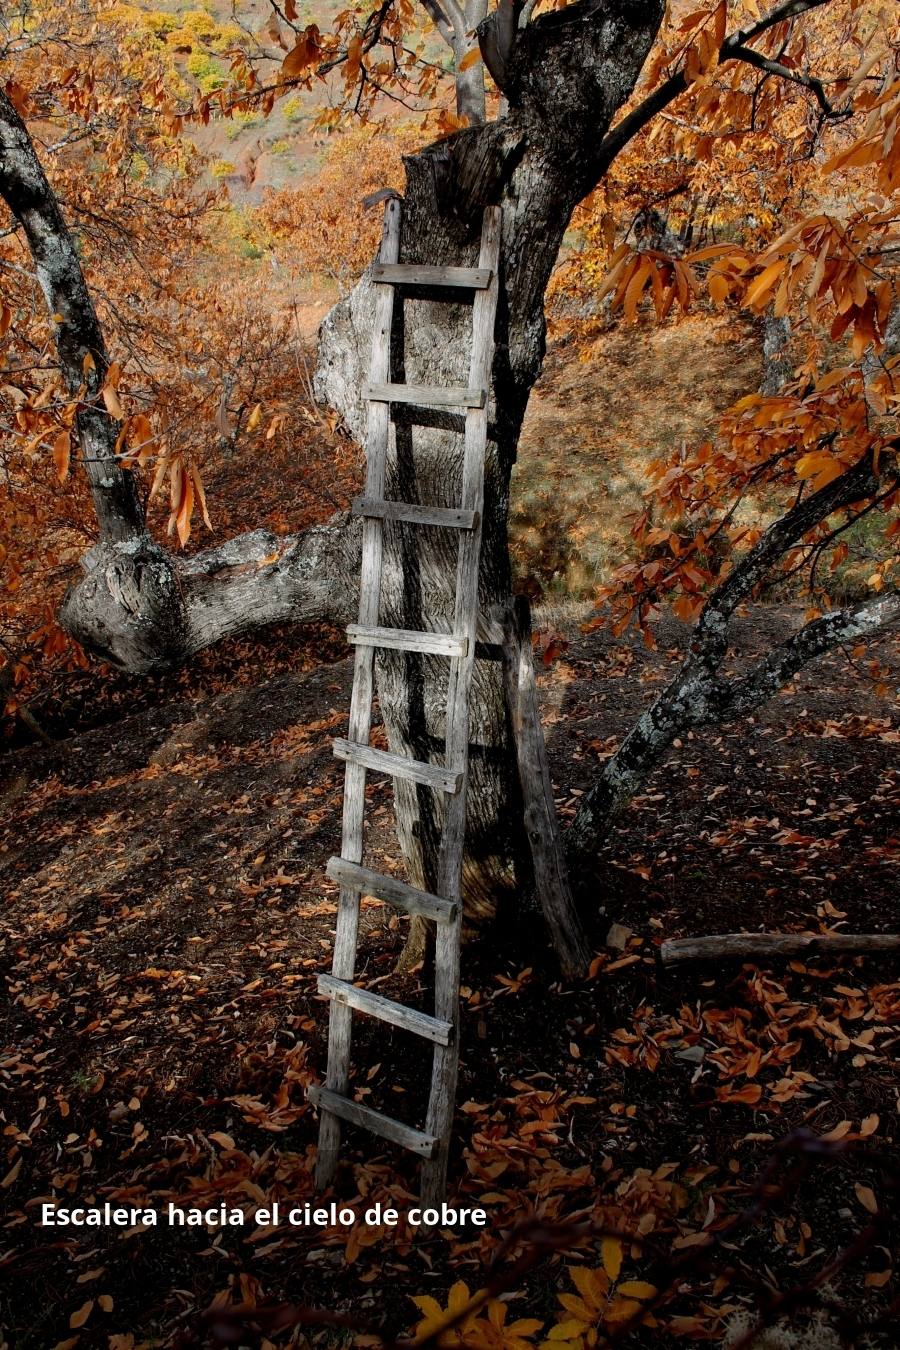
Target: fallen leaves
[[82, 1314]]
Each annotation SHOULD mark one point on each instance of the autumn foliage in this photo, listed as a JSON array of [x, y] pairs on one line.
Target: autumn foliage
[[206, 378], [164, 921]]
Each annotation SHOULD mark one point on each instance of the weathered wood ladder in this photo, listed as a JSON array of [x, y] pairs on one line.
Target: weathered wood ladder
[[444, 909]]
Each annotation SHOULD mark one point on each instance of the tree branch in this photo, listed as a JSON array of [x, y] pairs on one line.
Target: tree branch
[[730, 699], [145, 611], [457, 17], [760, 62], [849, 487], [768, 946], [79, 339], [732, 49], [439, 18], [698, 695]]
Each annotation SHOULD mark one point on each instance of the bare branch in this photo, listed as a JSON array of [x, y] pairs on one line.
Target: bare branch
[[760, 62], [439, 18], [698, 694], [783, 946], [730, 699]]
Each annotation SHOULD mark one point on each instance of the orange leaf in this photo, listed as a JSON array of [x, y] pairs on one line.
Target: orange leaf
[[748, 1095], [12, 1174], [687, 608], [611, 1255], [719, 19], [820, 466], [303, 54], [113, 402], [62, 454], [158, 477], [185, 511], [719, 286], [637, 1289], [140, 432], [635, 289], [877, 1279], [176, 486], [759, 290], [79, 1318], [470, 59], [201, 496]]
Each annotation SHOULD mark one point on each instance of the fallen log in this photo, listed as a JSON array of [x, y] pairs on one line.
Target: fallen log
[[740, 946]]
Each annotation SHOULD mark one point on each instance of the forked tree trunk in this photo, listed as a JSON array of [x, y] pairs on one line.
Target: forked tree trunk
[[563, 78], [535, 164]]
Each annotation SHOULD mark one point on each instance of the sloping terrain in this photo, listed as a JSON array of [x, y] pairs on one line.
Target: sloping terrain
[[165, 915]]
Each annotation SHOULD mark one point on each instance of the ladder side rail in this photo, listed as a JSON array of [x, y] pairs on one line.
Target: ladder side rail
[[347, 925], [447, 943]]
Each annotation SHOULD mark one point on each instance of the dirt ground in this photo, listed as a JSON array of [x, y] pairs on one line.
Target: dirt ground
[[165, 915]]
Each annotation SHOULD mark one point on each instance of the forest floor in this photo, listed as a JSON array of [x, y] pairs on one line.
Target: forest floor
[[166, 916]]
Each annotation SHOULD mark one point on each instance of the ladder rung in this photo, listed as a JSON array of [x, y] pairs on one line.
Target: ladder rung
[[386, 1010], [417, 515], [399, 766], [426, 395], [407, 640], [414, 1140], [397, 893], [412, 274]]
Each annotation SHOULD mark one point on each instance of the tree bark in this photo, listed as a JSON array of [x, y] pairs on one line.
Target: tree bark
[[470, 93], [566, 78], [551, 875], [148, 612], [777, 367]]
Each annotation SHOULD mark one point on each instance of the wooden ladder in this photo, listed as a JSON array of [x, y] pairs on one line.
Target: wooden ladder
[[445, 908]]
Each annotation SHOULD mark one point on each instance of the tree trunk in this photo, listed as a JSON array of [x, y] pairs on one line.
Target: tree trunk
[[470, 96], [776, 353], [79, 340], [563, 78], [537, 165]]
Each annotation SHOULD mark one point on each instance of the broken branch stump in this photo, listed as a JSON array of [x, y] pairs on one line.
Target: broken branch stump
[[541, 823]]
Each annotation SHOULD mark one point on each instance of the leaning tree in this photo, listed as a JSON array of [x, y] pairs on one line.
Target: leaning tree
[[570, 90]]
